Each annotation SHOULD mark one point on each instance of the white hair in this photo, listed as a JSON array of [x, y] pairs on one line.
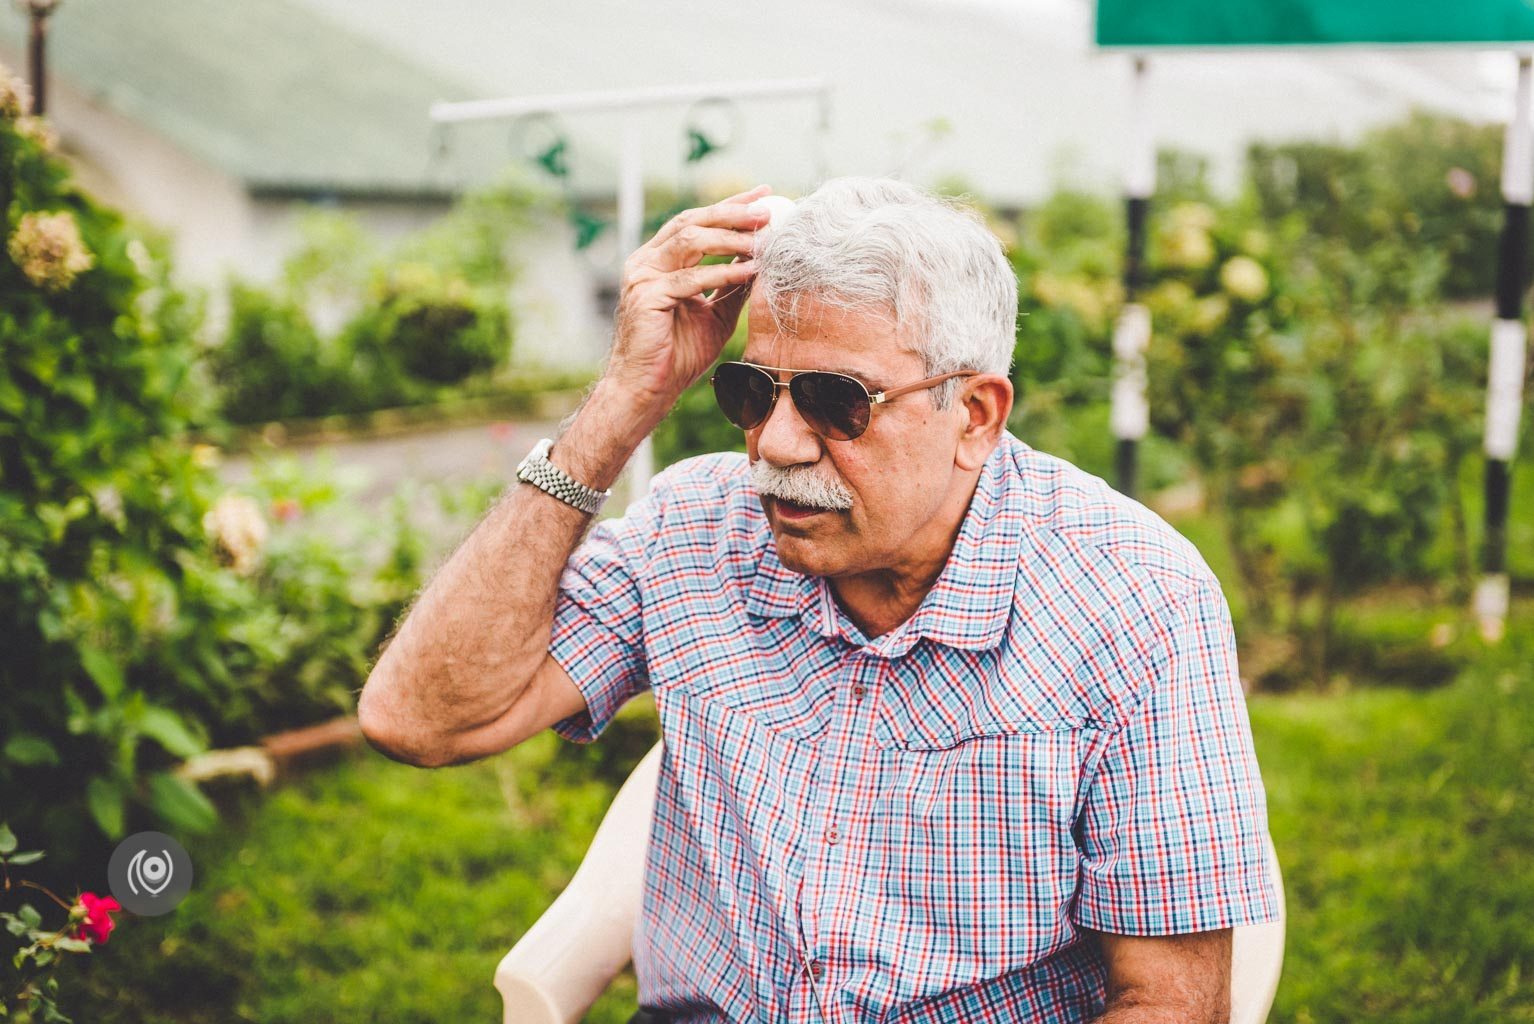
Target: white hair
[[926, 262]]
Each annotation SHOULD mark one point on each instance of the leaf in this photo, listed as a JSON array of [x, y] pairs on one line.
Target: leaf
[[7, 838], [106, 672], [105, 799], [25, 857], [166, 727], [181, 804], [29, 750], [73, 945], [29, 915]]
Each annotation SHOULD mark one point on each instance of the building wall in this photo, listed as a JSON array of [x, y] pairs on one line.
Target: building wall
[[127, 166], [218, 229]]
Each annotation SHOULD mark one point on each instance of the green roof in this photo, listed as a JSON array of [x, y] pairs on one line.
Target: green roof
[[269, 91]]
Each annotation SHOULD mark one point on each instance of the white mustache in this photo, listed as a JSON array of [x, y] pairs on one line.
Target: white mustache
[[801, 485]]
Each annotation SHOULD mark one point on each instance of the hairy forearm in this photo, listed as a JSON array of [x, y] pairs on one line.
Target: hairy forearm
[[1167, 979], [471, 642], [1134, 1008]]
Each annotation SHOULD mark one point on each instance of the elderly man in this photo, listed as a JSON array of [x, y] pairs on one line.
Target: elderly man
[[953, 731]]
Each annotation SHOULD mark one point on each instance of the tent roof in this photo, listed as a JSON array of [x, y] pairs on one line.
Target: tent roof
[[1007, 95]]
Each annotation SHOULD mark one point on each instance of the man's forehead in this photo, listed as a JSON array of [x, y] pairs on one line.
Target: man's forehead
[[860, 342]]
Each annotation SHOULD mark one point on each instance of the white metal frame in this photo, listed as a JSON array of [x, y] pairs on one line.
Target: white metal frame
[[630, 161]]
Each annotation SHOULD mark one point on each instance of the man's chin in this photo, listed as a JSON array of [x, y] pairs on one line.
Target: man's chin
[[801, 554]]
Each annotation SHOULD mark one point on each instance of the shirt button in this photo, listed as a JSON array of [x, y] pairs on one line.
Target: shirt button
[[858, 691], [832, 836], [817, 970]]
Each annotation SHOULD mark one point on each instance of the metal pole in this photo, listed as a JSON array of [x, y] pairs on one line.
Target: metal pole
[[630, 225], [37, 52], [1130, 412], [1509, 339], [620, 99]]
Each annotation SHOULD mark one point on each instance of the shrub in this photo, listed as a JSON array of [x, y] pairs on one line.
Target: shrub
[[101, 512]]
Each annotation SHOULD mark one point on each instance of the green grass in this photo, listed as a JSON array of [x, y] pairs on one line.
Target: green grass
[[1402, 820], [368, 891]]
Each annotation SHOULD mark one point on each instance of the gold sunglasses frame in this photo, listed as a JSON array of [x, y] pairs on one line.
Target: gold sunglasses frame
[[874, 398]]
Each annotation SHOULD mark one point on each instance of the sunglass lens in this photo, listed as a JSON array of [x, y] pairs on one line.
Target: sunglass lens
[[744, 394], [832, 404]]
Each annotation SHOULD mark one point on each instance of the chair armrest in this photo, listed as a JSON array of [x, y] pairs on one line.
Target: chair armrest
[[1257, 957], [565, 961]]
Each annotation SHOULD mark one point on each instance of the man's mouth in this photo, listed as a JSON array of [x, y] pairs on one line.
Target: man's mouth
[[793, 510]]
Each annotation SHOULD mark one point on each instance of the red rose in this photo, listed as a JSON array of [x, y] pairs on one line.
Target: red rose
[[98, 923]]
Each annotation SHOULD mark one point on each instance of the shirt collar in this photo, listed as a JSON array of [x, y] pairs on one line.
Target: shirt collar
[[969, 605]]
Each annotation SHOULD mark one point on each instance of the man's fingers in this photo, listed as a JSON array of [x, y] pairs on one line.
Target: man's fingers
[[695, 280], [727, 213], [749, 195], [692, 243]]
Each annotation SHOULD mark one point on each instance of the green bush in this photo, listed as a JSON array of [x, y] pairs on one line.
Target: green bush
[[271, 364], [146, 614], [101, 511], [1428, 185], [420, 318], [428, 328]]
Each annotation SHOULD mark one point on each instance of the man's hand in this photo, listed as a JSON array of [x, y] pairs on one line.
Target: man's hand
[[1167, 979], [667, 332], [469, 671]]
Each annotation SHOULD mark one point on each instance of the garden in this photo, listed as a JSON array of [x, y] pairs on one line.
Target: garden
[[1316, 384]]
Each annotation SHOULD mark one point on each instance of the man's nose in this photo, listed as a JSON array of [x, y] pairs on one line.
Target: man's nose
[[785, 439]]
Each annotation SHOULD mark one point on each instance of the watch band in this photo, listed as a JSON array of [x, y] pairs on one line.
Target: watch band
[[537, 470]]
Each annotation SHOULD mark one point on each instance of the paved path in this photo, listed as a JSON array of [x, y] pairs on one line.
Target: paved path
[[453, 457]]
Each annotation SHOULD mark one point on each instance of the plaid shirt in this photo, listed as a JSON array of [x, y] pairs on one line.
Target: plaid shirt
[[917, 827]]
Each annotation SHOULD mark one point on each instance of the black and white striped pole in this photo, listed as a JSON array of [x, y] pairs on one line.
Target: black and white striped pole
[[1130, 411], [1509, 340]]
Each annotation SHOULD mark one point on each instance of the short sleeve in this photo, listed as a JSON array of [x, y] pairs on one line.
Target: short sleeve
[[598, 634], [1173, 829]]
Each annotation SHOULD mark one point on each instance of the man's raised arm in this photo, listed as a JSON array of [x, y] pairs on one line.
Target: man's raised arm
[[468, 672]]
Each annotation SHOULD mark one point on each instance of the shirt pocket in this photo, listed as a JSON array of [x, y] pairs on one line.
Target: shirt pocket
[[952, 697], [973, 853]]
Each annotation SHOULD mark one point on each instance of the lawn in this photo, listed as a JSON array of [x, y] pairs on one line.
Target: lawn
[[368, 891]]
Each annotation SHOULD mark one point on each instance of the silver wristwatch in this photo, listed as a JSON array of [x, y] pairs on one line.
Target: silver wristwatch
[[537, 470]]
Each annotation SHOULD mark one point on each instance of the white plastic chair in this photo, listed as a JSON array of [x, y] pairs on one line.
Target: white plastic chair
[[568, 957]]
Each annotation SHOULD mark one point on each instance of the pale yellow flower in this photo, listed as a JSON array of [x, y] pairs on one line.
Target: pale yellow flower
[[48, 249], [239, 530], [1244, 278], [1192, 215], [38, 131], [206, 456], [1188, 246], [15, 97], [1209, 313]]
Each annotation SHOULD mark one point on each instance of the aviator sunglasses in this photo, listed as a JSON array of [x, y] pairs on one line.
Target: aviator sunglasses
[[833, 404]]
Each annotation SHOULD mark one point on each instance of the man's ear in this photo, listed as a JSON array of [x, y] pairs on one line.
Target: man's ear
[[986, 401]]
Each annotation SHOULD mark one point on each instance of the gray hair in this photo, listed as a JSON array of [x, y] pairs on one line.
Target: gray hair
[[927, 262]]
